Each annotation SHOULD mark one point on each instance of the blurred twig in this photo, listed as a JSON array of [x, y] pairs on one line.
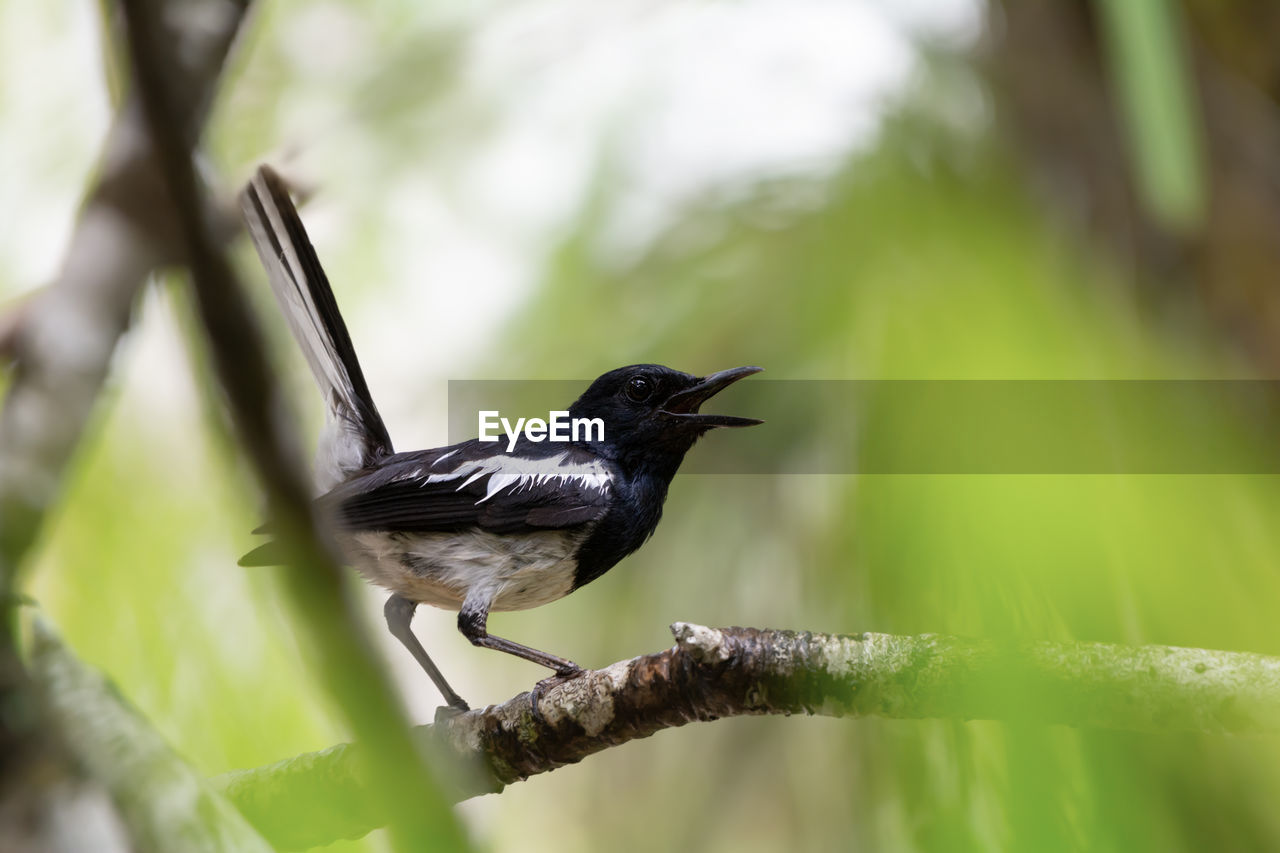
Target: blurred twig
[[1146, 47], [418, 815], [712, 673]]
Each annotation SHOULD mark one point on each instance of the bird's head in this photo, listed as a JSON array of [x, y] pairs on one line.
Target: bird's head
[[650, 412]]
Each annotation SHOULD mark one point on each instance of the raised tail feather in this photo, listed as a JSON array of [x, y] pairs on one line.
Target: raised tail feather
[[356, 434]]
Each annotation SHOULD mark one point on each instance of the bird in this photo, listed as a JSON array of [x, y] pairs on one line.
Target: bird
[[478, 526]]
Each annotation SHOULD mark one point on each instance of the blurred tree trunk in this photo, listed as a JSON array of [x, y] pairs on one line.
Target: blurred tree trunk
[[1056, 84]]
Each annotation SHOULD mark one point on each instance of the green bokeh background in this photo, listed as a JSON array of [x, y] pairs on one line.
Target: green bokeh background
[[928, 255]]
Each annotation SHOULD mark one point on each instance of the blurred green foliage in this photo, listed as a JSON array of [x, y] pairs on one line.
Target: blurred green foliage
[[926, 257], [927, 261]]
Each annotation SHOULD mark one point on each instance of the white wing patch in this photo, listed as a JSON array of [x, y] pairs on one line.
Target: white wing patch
[[515, 473]]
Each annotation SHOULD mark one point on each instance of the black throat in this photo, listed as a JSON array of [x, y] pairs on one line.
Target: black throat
[[632, 517]]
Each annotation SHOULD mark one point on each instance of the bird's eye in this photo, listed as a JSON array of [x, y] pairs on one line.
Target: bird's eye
[[639, 389]]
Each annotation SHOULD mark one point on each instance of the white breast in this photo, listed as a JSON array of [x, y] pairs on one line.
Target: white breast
[[441, 569]]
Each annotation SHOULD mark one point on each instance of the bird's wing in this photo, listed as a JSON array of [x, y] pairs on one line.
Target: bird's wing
[[357, 435], [476, 485]]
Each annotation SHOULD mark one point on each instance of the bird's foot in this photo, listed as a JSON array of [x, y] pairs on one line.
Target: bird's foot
[[561, 676], [453, 709]]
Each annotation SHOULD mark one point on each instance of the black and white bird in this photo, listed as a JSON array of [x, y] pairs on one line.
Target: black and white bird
[[473, 527]]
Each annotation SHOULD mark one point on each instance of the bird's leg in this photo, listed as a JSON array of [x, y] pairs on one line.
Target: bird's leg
[[399, 612], [472, 621]]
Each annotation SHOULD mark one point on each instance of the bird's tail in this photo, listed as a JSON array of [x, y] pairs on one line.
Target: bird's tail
[[355, 435]]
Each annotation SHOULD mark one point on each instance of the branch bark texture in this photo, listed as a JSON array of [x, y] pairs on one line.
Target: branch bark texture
[[712, 673]]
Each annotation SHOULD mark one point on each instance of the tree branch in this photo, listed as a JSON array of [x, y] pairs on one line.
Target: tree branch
[[63, 340], [60, 344], [712, 673], [166, 804]]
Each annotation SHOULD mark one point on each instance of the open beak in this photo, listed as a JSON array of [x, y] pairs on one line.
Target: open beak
[[683, 405]]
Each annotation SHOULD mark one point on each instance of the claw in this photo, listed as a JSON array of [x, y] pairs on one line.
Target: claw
[[561, 676]]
